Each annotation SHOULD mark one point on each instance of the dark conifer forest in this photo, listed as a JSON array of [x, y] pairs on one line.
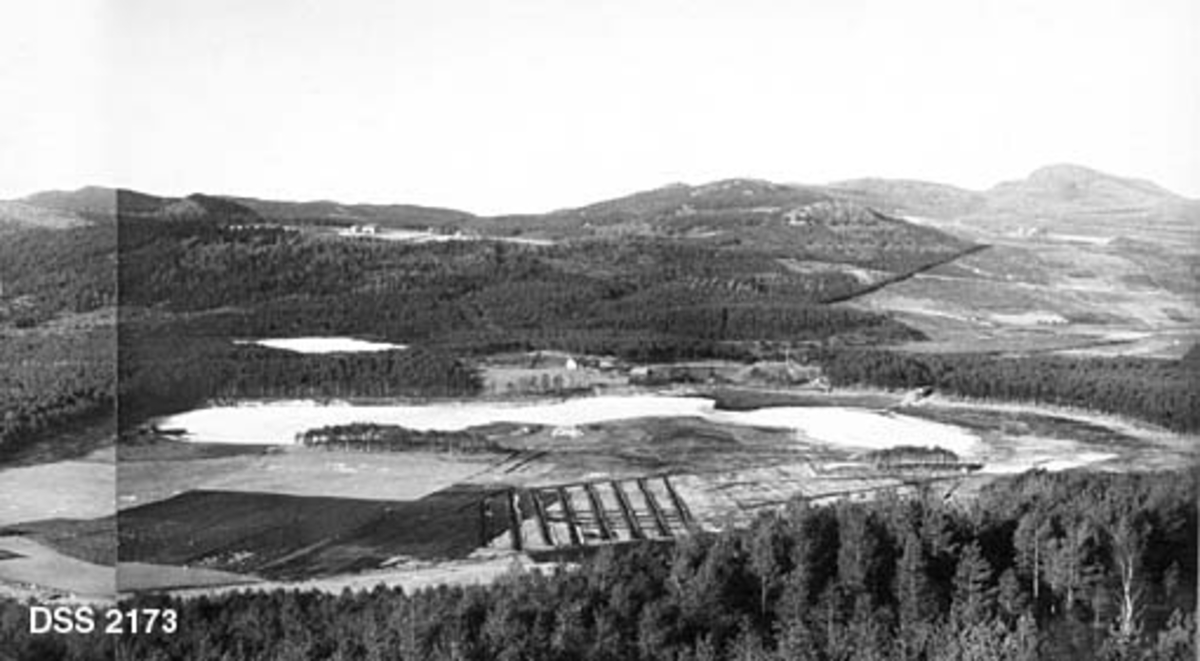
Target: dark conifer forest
[[1040, 566], [1165, 392], [55, 374], [47, 272], [47, 382]]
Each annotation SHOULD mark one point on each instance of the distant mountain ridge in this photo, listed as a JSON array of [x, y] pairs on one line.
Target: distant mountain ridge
[[809, 223], [89, 199], [111, 202], [1064, 198], [98, 201], [331, 211], [1068, 198]]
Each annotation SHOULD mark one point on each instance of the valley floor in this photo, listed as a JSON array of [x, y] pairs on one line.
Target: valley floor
[[420, 521]]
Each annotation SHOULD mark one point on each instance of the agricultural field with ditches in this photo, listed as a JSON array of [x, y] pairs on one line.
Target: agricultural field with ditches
[[332, 493]]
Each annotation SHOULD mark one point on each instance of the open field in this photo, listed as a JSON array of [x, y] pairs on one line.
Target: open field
[[138, 576], [90, 540], [36, 492], [1001, 306], [57, 540], [286, 536], [40, 568], [1040, 295], [162, 448], [298, 472]]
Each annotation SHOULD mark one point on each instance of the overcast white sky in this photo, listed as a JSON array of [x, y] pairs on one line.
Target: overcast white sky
[[529, 105]]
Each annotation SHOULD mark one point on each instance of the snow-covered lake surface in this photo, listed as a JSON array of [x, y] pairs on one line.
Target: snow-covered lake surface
[[323, 344], [280, 422]]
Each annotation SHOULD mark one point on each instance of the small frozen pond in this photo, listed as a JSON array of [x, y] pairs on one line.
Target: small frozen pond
[[280, 422], [323, 344]]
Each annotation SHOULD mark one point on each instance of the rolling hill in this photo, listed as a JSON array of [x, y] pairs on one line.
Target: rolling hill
[[98, 203], [89, 199], [803, 223], [1066, 199], [1063, 199], [20, 215], [326, 212], [1068, 247], [808, 224], [1077, 257]]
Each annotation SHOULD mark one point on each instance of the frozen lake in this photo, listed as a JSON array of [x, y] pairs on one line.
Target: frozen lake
[[280, 422]]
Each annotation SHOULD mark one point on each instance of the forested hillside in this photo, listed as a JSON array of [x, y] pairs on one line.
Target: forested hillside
[[57, 360], [642, 299], [1166, 392], [46, 272], [799, 222], [324, 212], [51, 380], [738, 269], [1042, 566], [190, 287]]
